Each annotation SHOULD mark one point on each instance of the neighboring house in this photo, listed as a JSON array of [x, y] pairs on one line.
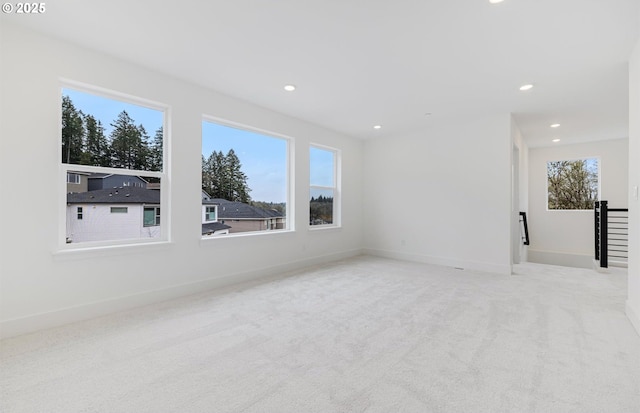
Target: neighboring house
[[109, 214], [210, 223], [105, 181], [243, 217], [77, 182]]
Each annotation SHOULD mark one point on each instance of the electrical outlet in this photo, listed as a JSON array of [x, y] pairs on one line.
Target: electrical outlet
[[635, 192]]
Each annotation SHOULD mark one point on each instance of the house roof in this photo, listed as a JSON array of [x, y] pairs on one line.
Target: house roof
[[124, 195], [107, 175], [239, 210], [211, 227]]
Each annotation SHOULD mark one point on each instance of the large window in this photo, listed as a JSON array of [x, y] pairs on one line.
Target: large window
[[245, 174], [323, 189], [112, 157], [572, 185]]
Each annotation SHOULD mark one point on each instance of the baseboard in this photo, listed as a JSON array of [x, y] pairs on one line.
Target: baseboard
[[560, 258], [633, 316], [56, 318], [446, 262]]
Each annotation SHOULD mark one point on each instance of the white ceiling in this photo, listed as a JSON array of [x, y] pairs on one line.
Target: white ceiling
[[358, 63]]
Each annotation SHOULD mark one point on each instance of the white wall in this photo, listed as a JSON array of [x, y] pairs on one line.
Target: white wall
[[520, 185], [442, 197], [566, 237], [633, 302], [40, 288]]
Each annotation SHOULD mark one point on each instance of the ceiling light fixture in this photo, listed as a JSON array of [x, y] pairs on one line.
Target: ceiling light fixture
[[290, 88], [556, 140], [555, 125], [377, 127], [526, 87], [495, 1]]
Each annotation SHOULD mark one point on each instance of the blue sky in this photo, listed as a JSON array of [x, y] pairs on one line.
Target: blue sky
[[263, 158], [107, 110]]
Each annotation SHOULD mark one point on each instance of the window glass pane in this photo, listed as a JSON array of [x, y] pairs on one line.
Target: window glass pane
[[322, 168], [572, 185], [321, 206], [105, 210], [149, 216], [99, 131], [245, 173]]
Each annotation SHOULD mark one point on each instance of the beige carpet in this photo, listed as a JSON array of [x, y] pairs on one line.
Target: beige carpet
[[360, 335]]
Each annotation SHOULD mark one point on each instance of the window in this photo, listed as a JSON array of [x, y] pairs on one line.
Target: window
[[246, 173], [73, 178], [211, 213], [572, 185], [113, 147], [324, 194], [151, 216]]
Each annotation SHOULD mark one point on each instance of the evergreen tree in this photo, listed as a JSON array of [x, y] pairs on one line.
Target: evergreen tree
[[128, 143], [72, 133], [154, 163], [236, 183], [222, 177], [97, 151]]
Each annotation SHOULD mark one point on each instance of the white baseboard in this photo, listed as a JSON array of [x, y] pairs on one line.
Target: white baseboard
[[56, 318], [446, 262], [560, 258], [633, 316]]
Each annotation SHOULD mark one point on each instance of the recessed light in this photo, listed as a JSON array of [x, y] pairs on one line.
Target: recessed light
[[377, 127], [556, 140], [555, 125], [290, 88], [526, 87], [495, 1]]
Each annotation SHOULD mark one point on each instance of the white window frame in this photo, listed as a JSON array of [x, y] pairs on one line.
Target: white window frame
[[163, 175], [75, 181], [336, 188], [157, 220], [289, 179], [206, 213]]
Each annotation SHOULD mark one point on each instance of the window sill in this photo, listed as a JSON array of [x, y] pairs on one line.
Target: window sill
[[247, 234], [324, 228], [89, 252]]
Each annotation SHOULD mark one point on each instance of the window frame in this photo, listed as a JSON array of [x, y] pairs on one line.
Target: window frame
[[64, 168], [156, 215], [289, 178], [336, 188]]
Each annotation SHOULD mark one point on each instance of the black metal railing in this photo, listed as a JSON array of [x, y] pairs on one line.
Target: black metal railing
[[524, 228], [611, 226]]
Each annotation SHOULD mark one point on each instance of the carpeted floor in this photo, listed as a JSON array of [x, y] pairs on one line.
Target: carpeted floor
[[361, 335]]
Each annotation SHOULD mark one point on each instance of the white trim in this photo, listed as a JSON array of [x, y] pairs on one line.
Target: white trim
[[35, 322], [446, 262], [633, 316]]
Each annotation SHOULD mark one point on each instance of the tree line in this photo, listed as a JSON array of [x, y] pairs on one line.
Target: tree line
[[128, 145], [321, 210]]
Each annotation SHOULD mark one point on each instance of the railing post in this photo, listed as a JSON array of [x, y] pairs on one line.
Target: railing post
[[604, 235], [596, 221]]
